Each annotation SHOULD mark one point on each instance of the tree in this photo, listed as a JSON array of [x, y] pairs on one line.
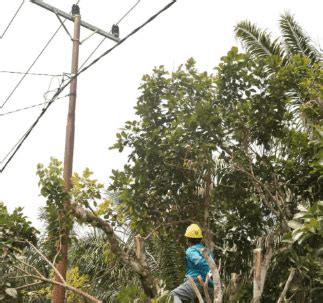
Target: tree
[[293, 40], [238, 129], [14, 230], [84, 195]]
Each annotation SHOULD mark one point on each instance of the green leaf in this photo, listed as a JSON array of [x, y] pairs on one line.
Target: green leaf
[[300, 215], [301, 208], [294, 224], [297, 234], [287, 238], [312, 224]]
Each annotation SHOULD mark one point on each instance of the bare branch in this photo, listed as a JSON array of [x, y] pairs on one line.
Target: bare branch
[[196, 290], [216, 276], [28, 275], [205, 286], [30, 266], [41, 277], [19, 277], [287, 285], [29, 285], [69, 287], [47, 261]]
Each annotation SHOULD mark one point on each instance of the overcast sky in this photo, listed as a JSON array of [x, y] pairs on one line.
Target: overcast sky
[[107, 92]]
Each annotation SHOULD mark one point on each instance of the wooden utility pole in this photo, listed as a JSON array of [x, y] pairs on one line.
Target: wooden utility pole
[[61, 265], [65, 215]]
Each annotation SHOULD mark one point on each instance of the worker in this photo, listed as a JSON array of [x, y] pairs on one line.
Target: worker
[[196, 265]]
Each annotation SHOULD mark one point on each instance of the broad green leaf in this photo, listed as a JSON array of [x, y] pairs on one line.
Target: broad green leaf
[[302, 208], [297, 234], [300, 215], [294, 224]]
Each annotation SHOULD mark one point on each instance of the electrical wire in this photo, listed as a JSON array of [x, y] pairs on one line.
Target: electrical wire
[[13, 18], [126, 37], [104, 38], [63, 85], [18, 145], [128, 12], [31, 106], [30, 67], [92, 53], [31, 74]]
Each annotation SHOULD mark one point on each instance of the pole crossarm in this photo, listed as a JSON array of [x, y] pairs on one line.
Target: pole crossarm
[[67, 16]]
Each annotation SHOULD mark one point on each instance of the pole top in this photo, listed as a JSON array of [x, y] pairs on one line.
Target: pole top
[[75, 10]]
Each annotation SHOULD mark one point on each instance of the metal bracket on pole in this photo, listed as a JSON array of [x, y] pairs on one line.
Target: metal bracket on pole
[[62, 23], [70, 17]]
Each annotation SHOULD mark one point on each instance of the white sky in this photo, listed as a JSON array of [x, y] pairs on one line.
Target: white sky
[[107, 93]]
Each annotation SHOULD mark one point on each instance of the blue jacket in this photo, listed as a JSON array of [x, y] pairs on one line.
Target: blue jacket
[[196, 264]]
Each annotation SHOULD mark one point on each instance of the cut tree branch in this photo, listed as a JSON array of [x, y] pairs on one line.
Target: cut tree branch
[[282, 296], [196, 290], [216, 276]]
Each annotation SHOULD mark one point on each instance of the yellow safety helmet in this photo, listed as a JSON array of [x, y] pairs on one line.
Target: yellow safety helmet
[[193, 231]]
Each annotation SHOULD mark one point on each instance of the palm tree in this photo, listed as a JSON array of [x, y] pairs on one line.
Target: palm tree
[[107, 276], [293, 40]]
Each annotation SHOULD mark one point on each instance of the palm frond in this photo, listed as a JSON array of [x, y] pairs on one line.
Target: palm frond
[[257, 42], [296, 41], [107, 275]]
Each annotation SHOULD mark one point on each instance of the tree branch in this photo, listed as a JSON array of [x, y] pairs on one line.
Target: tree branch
[[41, 277], [47, 261], [216, 276], [205, 286], [149, 282], [287, 285], [69, 287], [29, 285], [196, 290]]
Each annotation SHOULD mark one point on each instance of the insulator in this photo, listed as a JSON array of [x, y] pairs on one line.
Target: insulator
[[115, 30]]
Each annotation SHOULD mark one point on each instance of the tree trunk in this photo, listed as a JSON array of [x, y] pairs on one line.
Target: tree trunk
[[207, 236], [233, 288], [260, 272]]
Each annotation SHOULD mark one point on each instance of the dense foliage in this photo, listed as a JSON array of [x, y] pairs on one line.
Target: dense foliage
[[15, 231]]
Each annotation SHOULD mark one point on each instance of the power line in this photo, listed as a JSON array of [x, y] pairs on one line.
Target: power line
[[128, 12], [92, 53], [31, 106], [100, 43], [126, 37], [30, 67], [17, 146], [31, 74], [13, 18]]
